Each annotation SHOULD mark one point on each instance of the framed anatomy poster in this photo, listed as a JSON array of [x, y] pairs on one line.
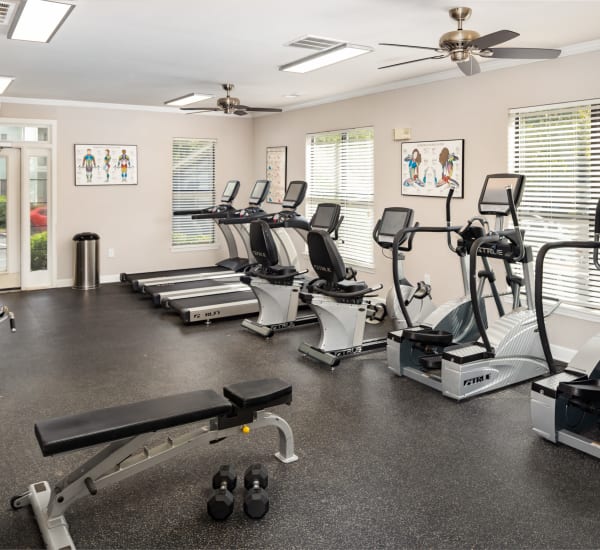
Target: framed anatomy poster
[[432, 168], [276, 173], [105, 165]]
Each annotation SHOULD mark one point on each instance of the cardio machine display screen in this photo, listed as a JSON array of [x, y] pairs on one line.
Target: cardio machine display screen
[[258, 190], [493, 199], [393, 221], [293, 193], [229, 190], [324, 217]]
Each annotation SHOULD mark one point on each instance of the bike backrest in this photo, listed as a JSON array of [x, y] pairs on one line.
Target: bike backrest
[[325, 257], [263, 244]]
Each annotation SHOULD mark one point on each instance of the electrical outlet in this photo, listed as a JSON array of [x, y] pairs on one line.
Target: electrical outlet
[[111, 252], [427, 279]]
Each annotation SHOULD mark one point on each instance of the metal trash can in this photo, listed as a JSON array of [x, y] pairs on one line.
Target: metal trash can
[[87, 268]]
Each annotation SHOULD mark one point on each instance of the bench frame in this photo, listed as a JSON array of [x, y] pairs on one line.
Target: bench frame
[[123, 458]]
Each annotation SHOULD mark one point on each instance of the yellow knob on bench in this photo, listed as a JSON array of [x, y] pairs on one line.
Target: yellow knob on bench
[[246, 429]]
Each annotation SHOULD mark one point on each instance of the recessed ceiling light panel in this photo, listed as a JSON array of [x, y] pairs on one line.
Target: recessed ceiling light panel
[[38, 20], [5, 82], [187, 99], [326, 57]]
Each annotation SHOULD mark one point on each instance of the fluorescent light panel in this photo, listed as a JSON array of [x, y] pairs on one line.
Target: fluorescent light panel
[[5, 83], [324, 58], [39, 20], [187, 99]]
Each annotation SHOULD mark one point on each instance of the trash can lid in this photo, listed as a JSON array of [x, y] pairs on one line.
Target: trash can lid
[[86, 237]]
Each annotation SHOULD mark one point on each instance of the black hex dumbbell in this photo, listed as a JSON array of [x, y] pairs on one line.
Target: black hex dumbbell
[[256, 503], [220, 505]]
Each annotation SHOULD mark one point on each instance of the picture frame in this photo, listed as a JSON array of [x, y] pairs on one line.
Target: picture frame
[[432, 168], [276, 173], [107, 164]]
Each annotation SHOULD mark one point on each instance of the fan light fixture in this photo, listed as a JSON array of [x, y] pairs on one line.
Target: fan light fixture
[[5, 83], [338, 53], [187, 99], [38, 20]]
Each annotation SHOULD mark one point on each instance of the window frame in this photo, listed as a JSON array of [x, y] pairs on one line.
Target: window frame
[[549, 158], [346, 185], [203, 227]]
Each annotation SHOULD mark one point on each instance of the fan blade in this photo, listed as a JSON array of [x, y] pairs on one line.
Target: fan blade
[[489, 40], [239, 112], [413, 61], [408, 46], [199, 108], [524, 53], [470, 66], [261, 109]]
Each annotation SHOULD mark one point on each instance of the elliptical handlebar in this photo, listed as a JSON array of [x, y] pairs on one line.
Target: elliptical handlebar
[[539, 285]]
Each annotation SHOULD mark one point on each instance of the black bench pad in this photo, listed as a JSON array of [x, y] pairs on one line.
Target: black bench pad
[[257, 394], [69, 433]]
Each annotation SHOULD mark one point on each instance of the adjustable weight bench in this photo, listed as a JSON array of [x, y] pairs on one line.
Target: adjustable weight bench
[[127, 427]]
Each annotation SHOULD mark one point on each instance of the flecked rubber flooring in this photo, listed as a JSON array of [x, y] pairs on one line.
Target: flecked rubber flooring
[[384, 462]]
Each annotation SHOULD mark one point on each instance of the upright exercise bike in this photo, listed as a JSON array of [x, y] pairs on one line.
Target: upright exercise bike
[[565, 407], [417, 299]]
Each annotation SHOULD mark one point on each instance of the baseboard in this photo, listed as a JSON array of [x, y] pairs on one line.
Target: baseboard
[[62, 283]]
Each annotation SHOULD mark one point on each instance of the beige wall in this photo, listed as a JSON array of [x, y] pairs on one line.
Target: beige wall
[[475, 109], [135, 220]]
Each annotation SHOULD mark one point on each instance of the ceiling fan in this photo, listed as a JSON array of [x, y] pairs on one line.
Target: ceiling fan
[[462, 45], [231, 105]]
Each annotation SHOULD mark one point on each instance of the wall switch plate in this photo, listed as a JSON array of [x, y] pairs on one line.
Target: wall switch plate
[[111, 252]]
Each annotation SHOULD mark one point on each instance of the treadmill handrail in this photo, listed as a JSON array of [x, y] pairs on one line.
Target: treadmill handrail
[[233, 220], [539, 282]]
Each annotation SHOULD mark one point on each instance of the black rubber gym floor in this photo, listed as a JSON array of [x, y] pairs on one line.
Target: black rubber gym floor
[[384, 461]]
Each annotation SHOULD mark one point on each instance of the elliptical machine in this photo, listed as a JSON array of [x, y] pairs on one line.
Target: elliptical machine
[[565, 407], [509, 351], [415, 351]]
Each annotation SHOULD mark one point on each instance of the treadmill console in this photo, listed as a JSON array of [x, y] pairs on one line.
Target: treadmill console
[[259, 192]]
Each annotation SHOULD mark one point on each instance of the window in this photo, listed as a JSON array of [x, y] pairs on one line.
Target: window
[[557, 148], [340, 169], [193, 188]]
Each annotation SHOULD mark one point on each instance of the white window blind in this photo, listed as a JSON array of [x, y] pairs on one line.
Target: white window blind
[[557, 148], [340, 169], [193, 188]]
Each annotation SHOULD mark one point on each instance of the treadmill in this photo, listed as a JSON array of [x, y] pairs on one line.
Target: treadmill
[[242, 302], [223, 269], [161, 294]]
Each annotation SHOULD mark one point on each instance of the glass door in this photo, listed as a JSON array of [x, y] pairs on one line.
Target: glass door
[[10, 206]]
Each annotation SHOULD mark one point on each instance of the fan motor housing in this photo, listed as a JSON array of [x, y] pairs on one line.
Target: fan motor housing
[[457, 39]]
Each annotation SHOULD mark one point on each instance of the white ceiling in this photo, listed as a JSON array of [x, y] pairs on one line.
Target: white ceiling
[[143, 52]]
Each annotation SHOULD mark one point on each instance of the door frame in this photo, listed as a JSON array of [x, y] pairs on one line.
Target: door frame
[[32, 280], [14, 242]]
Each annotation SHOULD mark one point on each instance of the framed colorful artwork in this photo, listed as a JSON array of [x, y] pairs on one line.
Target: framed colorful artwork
[[276, 173], [432, 168], [105, 165]]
